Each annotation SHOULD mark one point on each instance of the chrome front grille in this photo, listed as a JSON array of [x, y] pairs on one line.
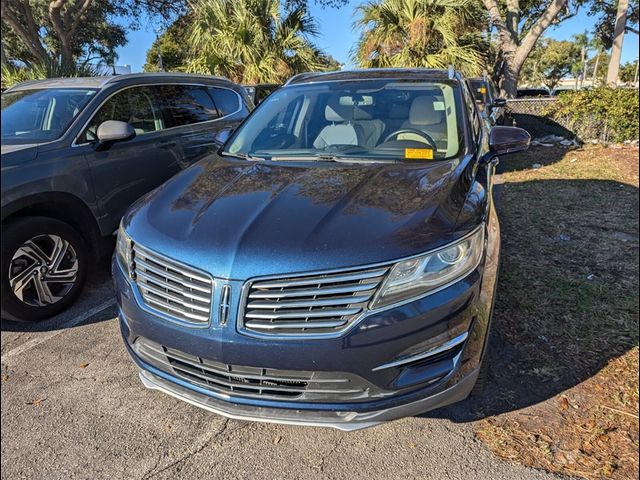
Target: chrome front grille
[[172, 288], [320, 304], [249, 381]]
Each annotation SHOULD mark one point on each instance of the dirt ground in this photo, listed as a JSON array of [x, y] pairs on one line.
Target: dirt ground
[[566, 318]]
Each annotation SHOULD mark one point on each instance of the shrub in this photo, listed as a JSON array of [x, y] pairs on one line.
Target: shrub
[[606, 114]]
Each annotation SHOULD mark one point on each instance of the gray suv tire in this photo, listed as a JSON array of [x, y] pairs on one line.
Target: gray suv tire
[[44, 267]]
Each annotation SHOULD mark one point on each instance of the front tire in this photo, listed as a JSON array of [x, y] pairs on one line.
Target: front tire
[[44, 267]]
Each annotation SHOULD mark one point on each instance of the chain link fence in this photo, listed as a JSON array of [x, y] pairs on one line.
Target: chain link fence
[[536, 115], [532, 115]]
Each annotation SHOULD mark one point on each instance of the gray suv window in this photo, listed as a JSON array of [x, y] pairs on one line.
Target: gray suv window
[[227, 101], [40, 115], [185, 104], [135, 105]]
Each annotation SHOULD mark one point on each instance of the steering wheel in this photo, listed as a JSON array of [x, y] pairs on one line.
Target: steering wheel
[[428, 139]]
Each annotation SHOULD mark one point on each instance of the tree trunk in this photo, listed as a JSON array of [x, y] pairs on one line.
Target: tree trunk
[[616, 49], [509, 81], [583, 65], [594, 78], [515, 50], [19, 17], [3, 56], [66, 56]]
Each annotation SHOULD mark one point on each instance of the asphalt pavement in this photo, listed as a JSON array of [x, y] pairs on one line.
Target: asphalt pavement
[[73, 407]]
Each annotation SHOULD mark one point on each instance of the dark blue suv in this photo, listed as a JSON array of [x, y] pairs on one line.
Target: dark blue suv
[[333, 264]]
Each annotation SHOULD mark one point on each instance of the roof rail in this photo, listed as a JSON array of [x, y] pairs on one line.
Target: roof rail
[[298, 76], [116, 78]]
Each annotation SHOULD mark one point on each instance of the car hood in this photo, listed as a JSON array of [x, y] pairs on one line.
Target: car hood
[[237, 219]]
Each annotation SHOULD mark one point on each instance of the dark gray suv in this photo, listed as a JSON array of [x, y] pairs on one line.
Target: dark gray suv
[[76, 153]]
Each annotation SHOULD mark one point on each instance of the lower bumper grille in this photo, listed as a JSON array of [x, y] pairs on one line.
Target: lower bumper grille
[[249, 381]]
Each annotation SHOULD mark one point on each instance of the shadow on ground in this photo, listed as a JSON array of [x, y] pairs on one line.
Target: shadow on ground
[[567, 298], [535, 155]]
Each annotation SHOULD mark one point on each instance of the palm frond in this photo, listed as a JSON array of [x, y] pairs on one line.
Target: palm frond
[[252, 41], [420, 33]]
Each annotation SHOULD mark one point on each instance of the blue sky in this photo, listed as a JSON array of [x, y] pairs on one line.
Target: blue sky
[[337, 35]]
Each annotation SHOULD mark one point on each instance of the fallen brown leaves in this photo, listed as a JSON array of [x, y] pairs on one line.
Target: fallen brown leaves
[[568, 305], [580, 432]]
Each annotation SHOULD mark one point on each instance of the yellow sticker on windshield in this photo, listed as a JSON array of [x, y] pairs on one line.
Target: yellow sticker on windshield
[[419, 153], [482, 90]]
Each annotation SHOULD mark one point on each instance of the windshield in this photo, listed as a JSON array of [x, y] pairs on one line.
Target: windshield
[[37, 116], [386, 120]]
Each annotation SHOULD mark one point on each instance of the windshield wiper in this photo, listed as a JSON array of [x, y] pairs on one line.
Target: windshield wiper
[[304, 158], [322, 158], [243, 156]]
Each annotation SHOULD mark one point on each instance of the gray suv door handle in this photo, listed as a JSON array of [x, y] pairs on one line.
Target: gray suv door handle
[[166, 143]]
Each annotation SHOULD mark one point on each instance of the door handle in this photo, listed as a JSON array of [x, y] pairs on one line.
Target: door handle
[[166, 143]]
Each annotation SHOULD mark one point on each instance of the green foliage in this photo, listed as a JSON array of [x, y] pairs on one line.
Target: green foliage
[[95, 33], [252, 41], [599, 60], [611, 114], [551, 61], [605, 12], [628, 71], [422, 33], [172, 48], [39, 31], [12, 75]]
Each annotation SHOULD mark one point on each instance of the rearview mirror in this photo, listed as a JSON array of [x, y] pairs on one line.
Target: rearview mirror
[[505, 140], [115, 131]]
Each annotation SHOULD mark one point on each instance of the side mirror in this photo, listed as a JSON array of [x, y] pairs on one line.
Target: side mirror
[[505, 140], [499, 103], [114, 131], [222, 136]]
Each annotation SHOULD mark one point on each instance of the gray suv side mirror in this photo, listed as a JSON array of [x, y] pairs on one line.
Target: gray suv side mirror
[[115, 131]]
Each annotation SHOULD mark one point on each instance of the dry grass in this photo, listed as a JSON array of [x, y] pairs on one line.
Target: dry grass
[[568, 307]]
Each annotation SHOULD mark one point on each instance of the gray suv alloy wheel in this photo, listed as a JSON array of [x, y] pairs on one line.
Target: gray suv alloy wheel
[[44, 266], [43, 270]]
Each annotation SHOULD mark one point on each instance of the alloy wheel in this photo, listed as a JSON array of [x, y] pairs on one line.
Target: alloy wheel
[[43, 270]]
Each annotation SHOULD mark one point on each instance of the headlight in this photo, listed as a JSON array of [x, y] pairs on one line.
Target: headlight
[[429, 272], [123, 250]]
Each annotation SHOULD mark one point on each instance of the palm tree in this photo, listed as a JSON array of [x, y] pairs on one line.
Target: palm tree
[[421, 33], [582, 41], [252, 41], [596, 44]]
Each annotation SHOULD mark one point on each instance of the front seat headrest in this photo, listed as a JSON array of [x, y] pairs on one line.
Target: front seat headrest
[[334, 112], [422, 112]]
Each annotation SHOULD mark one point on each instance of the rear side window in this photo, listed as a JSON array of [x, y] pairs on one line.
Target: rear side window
[[227, 101], [184, 105], [135, 106]]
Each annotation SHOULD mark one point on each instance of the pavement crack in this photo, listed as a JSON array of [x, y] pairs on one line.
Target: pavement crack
[[11, 342], [321, 465], [151, 473]]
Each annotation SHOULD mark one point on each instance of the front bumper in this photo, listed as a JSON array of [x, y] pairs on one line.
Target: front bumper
[[342, 420], [378, 339]]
